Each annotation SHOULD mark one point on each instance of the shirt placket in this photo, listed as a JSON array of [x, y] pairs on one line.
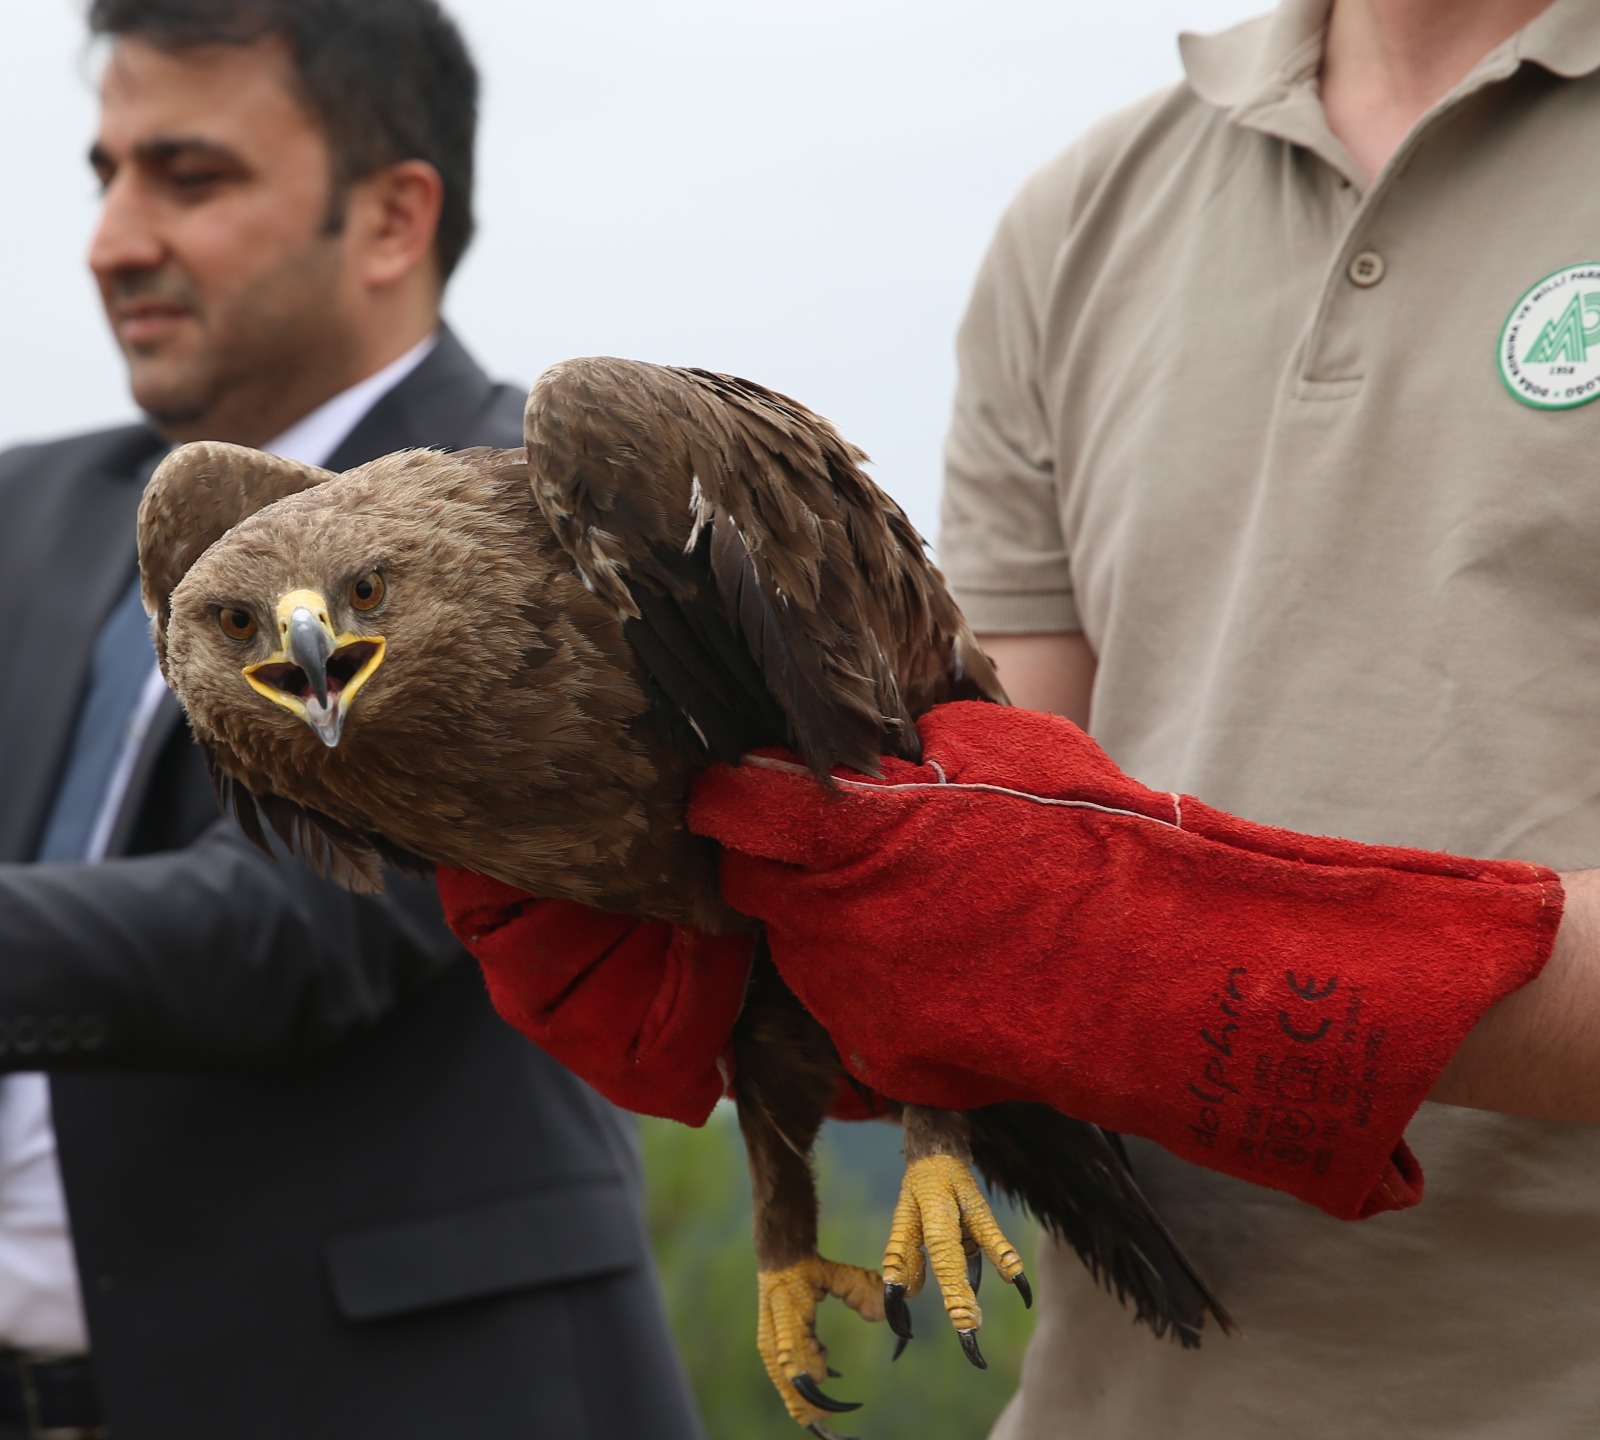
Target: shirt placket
[[1350, 299]]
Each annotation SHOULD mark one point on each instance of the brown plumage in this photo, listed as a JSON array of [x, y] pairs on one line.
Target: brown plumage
[[683, 566]]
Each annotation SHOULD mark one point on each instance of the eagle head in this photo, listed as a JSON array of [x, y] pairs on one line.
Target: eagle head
[[357, 605], [404, 650]]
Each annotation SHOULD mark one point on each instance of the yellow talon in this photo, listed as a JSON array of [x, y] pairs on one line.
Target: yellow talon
[[903, 1262], [985, 1229], [939, 1204], [785, 1322]]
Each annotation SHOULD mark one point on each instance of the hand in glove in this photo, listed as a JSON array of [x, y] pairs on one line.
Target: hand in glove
[[1015, 919], [640, 1009]]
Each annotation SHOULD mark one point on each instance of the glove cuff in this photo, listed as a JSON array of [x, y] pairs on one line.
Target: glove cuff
[[639, 1009]]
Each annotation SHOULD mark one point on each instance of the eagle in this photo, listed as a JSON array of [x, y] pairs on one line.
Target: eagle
[[516, 662]]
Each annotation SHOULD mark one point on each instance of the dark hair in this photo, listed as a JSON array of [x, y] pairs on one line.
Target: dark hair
[[389, 80]]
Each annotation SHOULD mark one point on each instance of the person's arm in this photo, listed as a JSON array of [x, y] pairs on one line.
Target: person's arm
[[215, 956], [1052, 672], [1537, 1052]]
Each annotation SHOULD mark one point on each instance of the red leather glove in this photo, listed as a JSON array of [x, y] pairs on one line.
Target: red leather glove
[[639, 1009], [1015, 919]]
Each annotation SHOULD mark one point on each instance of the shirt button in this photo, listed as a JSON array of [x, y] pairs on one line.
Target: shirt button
[[1366, 269]]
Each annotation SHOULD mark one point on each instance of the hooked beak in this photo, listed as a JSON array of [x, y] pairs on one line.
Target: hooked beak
[[315, 673], [310, 642]]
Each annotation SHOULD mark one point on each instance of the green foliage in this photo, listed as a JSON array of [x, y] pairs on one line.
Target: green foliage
[[700, 1224]]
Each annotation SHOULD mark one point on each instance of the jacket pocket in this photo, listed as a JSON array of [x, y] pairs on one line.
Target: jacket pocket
[[572, 1232]]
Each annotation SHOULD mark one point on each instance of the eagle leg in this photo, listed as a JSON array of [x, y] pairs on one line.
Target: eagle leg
[[785, 1075], [942, 1212]]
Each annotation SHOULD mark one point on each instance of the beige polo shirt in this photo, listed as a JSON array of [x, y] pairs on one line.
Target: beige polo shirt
[[1312, 464]]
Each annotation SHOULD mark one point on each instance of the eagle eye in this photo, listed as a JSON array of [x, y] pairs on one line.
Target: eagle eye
[[236, 624], [366, 593]]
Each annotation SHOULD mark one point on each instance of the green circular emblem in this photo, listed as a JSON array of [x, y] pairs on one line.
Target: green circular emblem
[[1549, 353]]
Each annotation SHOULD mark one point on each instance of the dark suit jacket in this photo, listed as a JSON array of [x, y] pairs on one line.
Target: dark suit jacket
[[317, 1188]]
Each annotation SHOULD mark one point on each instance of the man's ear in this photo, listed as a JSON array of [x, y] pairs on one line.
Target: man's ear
[[394, 214]]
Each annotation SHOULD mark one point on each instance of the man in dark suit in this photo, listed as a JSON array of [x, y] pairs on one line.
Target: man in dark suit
[[315, 1187]]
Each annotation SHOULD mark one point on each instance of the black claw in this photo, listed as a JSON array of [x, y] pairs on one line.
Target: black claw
[[813, 1392], [835, 1374], [1024, 1289], [896, 1311], [821, 1431], [900, 1343], [969, 1343]]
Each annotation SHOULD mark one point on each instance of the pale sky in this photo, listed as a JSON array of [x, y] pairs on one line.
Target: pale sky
[[799, 193]]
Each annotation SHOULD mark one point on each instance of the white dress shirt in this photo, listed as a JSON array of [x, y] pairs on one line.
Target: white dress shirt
[[41, 1307]]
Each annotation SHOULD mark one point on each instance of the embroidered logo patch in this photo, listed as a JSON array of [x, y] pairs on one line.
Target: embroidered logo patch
[[1550, 344]]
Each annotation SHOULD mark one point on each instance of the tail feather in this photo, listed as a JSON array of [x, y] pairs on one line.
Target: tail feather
[[1075, 1179]]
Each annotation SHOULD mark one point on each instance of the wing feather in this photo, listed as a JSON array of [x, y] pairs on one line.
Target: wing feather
[[722, 519]]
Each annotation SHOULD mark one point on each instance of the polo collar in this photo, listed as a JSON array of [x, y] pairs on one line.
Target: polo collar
[[1260, 61], [1255, 64], [1565, 40], [1263, 73]]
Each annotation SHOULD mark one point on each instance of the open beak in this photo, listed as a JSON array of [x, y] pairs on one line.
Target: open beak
[[315, 673]]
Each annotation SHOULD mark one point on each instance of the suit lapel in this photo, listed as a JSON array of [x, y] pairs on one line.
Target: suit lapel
[[166, 722], [435, 405], [81, 558]]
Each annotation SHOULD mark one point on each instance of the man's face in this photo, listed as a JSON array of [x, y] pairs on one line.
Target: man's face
[[232, 303]]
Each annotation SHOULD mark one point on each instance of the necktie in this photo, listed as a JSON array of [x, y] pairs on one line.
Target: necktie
[[122, 661]]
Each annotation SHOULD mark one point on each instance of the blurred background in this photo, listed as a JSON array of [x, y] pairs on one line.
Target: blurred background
[[799, 193]]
